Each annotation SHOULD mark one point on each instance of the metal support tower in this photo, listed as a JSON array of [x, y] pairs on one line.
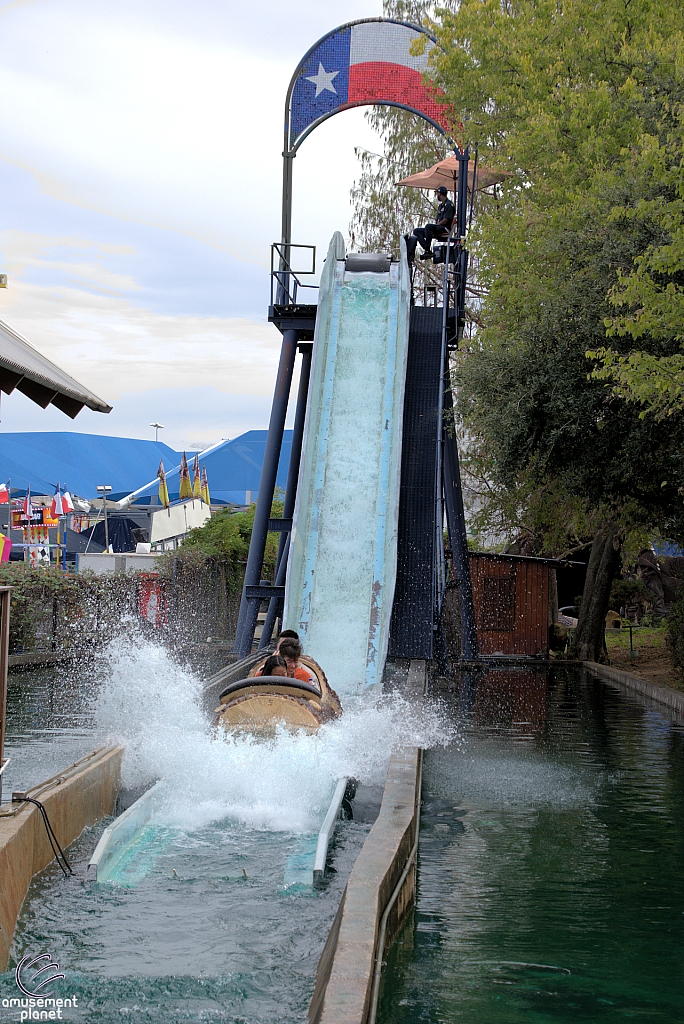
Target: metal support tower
[[456, 267]]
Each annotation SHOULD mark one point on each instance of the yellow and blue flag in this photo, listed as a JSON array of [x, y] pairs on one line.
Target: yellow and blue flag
[[163, 489], [185, 489]]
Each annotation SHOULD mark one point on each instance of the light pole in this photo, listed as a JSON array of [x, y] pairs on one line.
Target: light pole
[[157, 428], [104, 490]]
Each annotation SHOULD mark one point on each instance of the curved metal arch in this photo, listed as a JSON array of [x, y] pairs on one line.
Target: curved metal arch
[[289, 152], [364, 103]]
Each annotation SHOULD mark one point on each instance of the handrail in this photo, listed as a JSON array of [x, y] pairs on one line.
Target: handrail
[[284, 277]]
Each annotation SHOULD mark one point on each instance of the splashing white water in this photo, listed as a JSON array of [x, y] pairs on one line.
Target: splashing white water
[[153, 707]]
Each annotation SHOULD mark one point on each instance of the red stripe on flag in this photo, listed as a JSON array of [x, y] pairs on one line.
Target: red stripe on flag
[[395, 83]]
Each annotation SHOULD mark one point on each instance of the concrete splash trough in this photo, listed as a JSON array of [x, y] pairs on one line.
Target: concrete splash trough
[[79, 796], [344, 991]]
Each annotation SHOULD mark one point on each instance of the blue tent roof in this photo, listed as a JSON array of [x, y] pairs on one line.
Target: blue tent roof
[[79, 462], [233, 469]]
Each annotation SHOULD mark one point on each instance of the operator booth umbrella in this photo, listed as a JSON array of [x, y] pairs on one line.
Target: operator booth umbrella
[[446, 173]]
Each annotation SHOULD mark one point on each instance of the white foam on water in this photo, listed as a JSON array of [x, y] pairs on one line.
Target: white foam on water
[[153, 707]]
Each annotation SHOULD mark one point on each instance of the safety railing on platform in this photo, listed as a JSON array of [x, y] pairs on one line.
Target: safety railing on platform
[[285, 283]]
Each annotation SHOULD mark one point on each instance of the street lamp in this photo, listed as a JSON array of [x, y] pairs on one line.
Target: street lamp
[[157, 428], [104, 490]]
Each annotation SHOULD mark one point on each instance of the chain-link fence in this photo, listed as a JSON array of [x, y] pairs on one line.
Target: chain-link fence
[[190, 605]]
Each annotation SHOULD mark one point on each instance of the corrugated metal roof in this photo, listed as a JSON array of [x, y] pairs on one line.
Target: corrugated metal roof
[[24, 368]]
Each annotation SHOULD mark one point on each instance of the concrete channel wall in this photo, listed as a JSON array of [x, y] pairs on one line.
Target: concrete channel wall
[[344, 980], [79, 796], [656, 692]]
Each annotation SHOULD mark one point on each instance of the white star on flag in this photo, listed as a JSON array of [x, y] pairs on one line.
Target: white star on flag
[[323, 80]]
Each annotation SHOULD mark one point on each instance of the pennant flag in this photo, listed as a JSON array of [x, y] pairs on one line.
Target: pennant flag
[[4, 494], [5, 548], [26, 504], [205, 487], [61, 503], [366, 62], [56, 506], [196, 480], [185, 490], [163, 489]]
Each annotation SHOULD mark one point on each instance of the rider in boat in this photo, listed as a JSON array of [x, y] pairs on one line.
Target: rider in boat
[[291, 651], [286, 634], [274, 666]]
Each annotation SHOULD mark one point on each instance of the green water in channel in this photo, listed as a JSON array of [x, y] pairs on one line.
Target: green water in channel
[[206, 921], [550, 878], [550, 883]]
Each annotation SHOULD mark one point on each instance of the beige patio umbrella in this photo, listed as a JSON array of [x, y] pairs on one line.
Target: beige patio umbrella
[[446, 173]]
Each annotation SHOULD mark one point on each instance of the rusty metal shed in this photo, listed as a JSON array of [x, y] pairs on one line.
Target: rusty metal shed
[[516, 600]]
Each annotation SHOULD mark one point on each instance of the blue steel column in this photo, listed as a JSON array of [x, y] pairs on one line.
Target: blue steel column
[[249, 610], [290, 490]]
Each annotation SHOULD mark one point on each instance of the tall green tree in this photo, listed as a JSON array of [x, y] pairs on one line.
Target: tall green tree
[[650, 297], [565, 96]]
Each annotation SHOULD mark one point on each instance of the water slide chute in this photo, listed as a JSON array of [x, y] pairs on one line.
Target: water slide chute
[[343, 550]]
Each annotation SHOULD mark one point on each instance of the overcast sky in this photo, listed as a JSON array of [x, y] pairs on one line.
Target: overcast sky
[[140, 180]]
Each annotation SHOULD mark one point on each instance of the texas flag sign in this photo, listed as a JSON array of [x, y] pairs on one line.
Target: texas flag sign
[[363, 63]]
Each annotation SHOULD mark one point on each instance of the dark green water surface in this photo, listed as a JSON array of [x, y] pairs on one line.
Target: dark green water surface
[[551, 861]]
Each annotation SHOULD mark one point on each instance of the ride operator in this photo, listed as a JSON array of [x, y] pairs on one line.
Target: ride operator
[[440, 229]]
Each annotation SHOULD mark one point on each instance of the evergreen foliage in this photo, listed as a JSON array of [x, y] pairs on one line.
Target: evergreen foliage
[[225, 539], [580, 104]]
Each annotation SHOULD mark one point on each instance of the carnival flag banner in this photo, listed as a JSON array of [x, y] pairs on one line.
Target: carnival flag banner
[[27, 506], [196, 478], [56, 506], [364, 63], [61, 503], [205, 486], [4, 494], [185, 489], [5, 548], [163, 489]]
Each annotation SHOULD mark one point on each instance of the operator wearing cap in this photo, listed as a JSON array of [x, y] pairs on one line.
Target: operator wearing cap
[[441, 229]]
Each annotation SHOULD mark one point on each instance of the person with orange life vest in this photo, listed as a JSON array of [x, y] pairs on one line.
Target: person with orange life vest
[[291, 650]]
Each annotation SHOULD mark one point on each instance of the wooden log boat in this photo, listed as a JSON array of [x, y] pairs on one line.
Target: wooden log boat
[[258, 704]]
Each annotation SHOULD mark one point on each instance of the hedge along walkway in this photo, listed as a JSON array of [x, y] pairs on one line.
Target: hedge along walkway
[[55, 611]]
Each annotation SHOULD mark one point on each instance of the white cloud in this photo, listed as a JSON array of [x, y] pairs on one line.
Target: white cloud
[[153, 132], [113, 347], [190, 415], [134, 117]]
